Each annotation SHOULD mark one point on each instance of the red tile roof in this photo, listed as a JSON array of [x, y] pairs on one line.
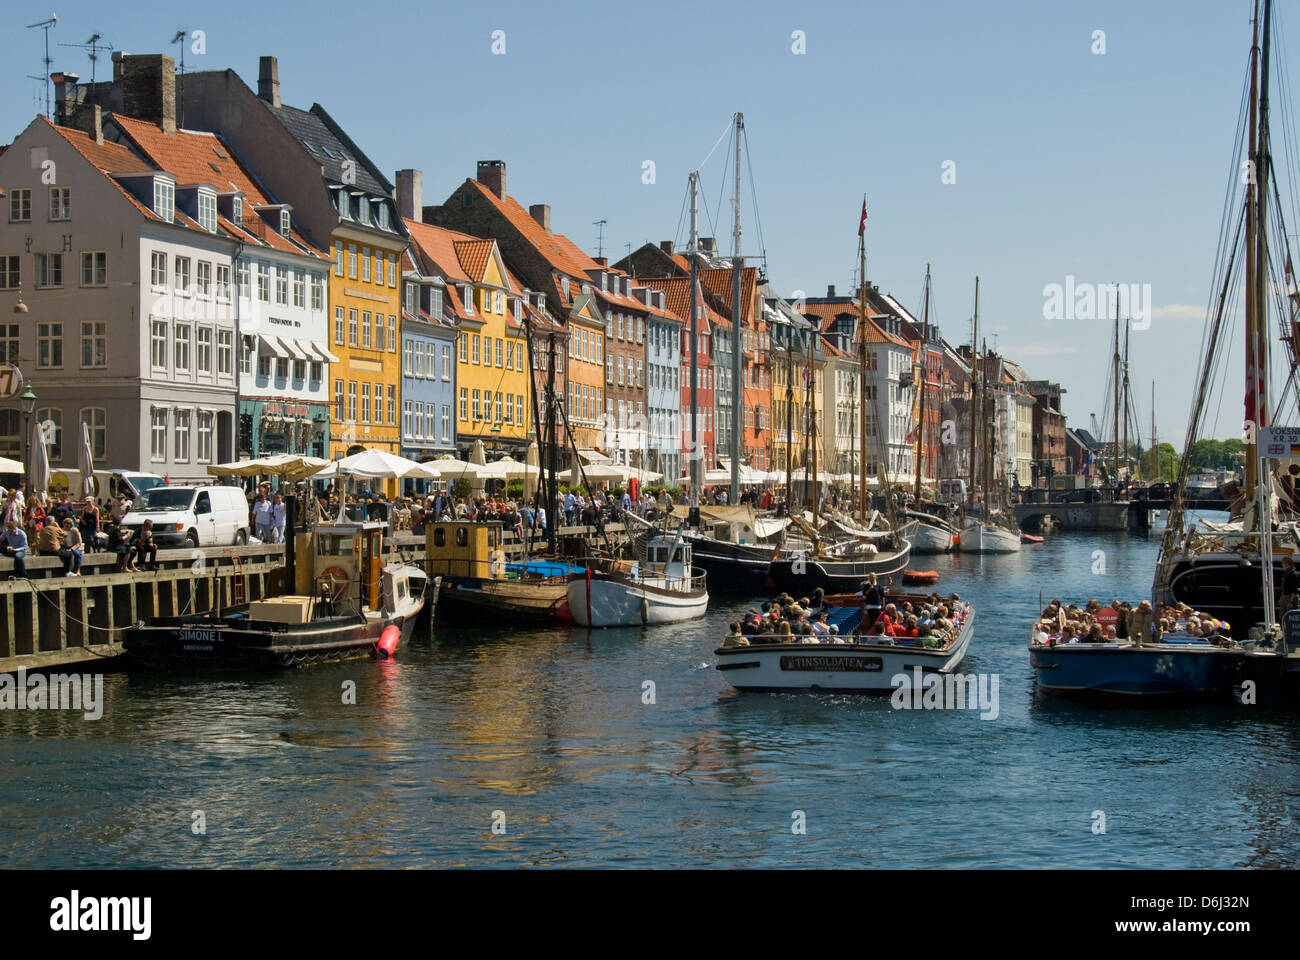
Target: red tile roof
[[560, 252], [722, 281], [108, 158], [474, 256]]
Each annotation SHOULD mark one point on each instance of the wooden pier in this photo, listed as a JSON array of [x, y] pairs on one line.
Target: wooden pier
[[53, 621]]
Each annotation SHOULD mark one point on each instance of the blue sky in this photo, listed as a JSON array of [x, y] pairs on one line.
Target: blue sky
[[1102, 167]]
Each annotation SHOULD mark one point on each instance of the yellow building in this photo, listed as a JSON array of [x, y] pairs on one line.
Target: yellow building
[[493, 383]]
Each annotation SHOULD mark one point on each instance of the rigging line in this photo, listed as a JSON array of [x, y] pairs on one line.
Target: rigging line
[[681, 217], [725, 130], [1289, 144], [722, 186], [713, 227], [753, 196]]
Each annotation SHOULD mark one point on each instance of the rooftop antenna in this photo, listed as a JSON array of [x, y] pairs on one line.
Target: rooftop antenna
[[180, 38], [94, 45], [600, 236], [45, 25]]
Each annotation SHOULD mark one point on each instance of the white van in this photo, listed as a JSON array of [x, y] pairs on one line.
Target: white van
[[106, 484], [192, 516]]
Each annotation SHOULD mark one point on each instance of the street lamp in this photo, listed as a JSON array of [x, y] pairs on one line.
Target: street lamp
[[27, 399]]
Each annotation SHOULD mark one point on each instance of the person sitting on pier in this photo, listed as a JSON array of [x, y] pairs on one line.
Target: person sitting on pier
[[14, 546], [49, 539], [144, 547], [72, 550]]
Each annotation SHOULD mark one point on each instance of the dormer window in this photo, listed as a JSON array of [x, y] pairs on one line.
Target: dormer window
[[164, 199], [564, 286], [383, 216], [237, 208], [363, 209], [467, 297], [208, 211], [286, 222], [345, 204]]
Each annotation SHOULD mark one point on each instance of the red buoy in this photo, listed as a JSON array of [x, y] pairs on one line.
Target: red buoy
[[388, 641]]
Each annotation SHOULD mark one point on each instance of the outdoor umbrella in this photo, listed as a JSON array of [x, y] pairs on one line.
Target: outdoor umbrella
[[86, 462], [376, 464], [530, 479], [40, 465]]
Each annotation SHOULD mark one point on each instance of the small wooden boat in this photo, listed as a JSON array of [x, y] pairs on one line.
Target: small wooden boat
[[850, 662], [980, 537], [663, 588], [357, 602], [1030, 538]]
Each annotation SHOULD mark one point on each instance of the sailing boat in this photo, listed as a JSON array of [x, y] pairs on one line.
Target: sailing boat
[[986, 530], [1221, 572], [931, 534]]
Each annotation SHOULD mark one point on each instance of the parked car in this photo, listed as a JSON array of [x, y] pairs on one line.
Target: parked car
[[1079, 496], [1158, 491], [192, 516]]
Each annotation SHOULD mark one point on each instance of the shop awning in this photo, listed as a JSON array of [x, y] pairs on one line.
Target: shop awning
[[322, 352], [274, 345], [295, 350]]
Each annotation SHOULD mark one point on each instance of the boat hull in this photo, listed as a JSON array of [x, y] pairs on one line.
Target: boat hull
[[1219, 584], [1132, 672], [804, 575], [602, 600], [928, 538], [847, 667], [985, 538], [504, 600]]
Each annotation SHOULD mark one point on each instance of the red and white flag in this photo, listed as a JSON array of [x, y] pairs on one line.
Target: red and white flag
[[862, 224]]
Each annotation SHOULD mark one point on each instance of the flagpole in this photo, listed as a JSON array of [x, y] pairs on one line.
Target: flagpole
[[862, 359]]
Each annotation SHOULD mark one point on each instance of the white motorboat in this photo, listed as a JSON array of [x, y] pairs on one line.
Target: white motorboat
[[663, 588], [863, 664], [932, 537], [980, 537]]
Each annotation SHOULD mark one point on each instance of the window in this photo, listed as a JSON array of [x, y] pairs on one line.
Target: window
[[338, 399], [49, 345], [246, 355], [446, 424], [94, 268], [365, 328], [317, 292], [241, 279], [620, 371], [640, 330], [338, 258], [182, 352], [94, 343], [164, 199], [408, 358], [365, 403], [435, 303], [352, 261], [498, 302], [620, 326], [286, 223], [182, 434], [487, 351], [446, 362], [225, 347], [352, 401], [282, 368], [317, 371], [499, 353], [379, 267], [208, 212], [609, 369], [464, 403], [392, 403], [204, 451], [60, 203], [510, 408], [158, 434], [49, 270], [392, 269], [299, 371], [204, 349], [467, 298], [263, 283], [352, 327], [476, 346], [499, 408], [392, 334], [300, 289], [20, 205], [52, 417], [282, 286], [9, 272], [379, 331], [183, 276], [158, 345], [383, 215], [95, 421], [338, 325], [365, 263], [462, 349], [418, 425], [639, 372], [477, 408], [203, 279]]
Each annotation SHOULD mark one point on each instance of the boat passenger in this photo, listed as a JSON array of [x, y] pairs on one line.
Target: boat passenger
[[806, 633], [820, 627], [1140, 629], [1094, 634], [909, 628], [1112, 634]]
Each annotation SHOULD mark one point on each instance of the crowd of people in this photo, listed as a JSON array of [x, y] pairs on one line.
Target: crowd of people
[[1122, 622]]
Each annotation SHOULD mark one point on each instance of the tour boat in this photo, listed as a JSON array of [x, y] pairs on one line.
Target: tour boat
[[360, 608], [861, 664], [663, 588]]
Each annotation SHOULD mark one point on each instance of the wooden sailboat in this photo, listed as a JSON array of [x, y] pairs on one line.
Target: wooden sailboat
[[985, 529], [931, 534]]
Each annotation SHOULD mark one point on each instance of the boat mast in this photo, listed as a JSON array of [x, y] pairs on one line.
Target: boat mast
[[862, 366], [925, 340], [736, 264], [1252, 270], [789, 414], [695, 349], [1261, 351], [1114, 376], [812, 421], [975, 411], [1155, 450], [1127, 326]]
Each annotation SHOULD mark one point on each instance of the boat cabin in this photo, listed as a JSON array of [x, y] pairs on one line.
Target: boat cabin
[[347, 565], [460, 549], [662, 560]]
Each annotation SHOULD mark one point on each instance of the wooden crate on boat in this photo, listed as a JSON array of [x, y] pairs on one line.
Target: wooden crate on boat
[[282, 609]]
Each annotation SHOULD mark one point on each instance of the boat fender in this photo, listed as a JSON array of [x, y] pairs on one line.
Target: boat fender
[[645, 610], [388, 641]]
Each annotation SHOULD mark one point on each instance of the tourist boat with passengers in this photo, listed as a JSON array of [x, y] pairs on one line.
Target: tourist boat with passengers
[[862, 663], [662, 587], [342, 603]]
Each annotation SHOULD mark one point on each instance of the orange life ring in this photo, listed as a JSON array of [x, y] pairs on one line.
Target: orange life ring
[[921, 576], [339, 578]]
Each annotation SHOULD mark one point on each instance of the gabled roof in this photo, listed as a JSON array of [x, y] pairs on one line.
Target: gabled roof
[[474, 256], [108, 159], [722, 281], [328, 145], [677, 298], [198, 157], [561, 253], [456, 256]]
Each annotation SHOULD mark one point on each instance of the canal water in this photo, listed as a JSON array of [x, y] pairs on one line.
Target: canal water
[[546, 735]]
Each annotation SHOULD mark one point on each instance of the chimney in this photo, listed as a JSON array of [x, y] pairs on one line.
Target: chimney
[[492, 174], [830, 291], [148, 85], [410, 194], [268, 81], [603, 261], [89, 119], [708, 246], [541, 212], [666, 246]]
